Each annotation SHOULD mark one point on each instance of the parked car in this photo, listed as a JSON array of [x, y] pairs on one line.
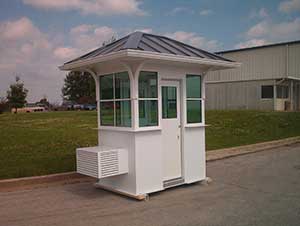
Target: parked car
[[90, 107], [78, 107]]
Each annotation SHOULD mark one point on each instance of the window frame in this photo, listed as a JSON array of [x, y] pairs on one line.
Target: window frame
[[201, 99], [114, 100], [267, 98], [157, 99]]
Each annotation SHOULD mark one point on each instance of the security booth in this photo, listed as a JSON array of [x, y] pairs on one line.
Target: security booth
[[151, 124]]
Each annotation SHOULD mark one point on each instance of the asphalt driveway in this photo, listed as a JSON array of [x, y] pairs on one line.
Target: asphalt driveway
[[256, 189]]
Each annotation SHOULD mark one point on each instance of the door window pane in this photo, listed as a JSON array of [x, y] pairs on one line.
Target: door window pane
[[267, 92], [107, 113], [148, 84], [169, 102], [193, 86], [122, 85], [123, 113], [106, 87], [148, 113], [194, 112]]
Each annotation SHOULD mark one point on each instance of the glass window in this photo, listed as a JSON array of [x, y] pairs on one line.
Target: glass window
[[194, 111], [148, 99], [193, 99], [147, 84], [193, 84], [282, 92], [122, 85], [169, 102], [148, 113], [267, 92], [107, 113], [106, 87], [115, 102], [123, 113]]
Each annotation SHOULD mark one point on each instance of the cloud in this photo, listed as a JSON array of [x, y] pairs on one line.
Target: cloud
[[195, 40], [266, 32], [97, 7], [262, 13], [289, 6], [178, 10], [275, 31], [206, 12], [65, 53], [87, 37], [251, 43], [26, 51], [35, 55]]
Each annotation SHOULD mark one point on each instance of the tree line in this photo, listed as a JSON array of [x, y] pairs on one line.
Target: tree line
[[79, 87]]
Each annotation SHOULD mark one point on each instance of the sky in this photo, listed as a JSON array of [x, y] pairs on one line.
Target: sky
[[37, 36]]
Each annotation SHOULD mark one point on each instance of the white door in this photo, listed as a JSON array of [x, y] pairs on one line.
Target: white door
[[171, 129]]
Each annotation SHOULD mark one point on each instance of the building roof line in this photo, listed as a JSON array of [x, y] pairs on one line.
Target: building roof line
[[259, 47]]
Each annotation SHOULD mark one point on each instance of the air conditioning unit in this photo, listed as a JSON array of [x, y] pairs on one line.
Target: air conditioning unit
[[102, 161]]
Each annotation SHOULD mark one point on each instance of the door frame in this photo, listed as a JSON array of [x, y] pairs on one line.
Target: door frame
[[178, 84]]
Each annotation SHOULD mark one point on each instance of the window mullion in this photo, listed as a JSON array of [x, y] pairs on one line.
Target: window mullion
[[114, 97]]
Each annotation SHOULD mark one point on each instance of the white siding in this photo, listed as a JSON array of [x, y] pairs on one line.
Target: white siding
[[237, 95], [262, 63], [294, 60]]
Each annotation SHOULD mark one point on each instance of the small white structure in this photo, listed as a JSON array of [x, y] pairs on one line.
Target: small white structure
[[150, 93]]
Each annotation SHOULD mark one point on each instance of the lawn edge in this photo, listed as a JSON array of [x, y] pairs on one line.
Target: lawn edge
[[25, 183], [220, 154]]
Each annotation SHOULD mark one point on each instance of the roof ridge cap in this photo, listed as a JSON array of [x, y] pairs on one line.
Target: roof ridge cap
[[133, 40]]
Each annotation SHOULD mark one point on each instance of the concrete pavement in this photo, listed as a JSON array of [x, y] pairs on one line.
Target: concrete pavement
[[256, 189]]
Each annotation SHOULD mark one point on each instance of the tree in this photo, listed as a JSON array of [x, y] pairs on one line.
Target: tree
[[111, 40], [16, 95], [3, 104], [44, 101], [79, 86]]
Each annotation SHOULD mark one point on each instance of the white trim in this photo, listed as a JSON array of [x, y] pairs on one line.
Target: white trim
[[158, 99], [293, 78], [192, 125], [148, 55]]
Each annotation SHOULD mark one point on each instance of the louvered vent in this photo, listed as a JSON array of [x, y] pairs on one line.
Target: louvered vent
[[109, 162], [100, 162]]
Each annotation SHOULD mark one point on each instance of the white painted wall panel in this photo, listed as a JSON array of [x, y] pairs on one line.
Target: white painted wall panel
[[120, 139], [294, 60], [149, 162], [264, 63], [237, 95], [194, 154]]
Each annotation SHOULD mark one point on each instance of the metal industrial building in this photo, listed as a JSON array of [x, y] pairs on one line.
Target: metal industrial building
[[269, 79]]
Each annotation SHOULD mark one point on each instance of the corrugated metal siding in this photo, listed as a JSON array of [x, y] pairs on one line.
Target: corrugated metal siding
[[294, 60], [237, 95], [264, 63]]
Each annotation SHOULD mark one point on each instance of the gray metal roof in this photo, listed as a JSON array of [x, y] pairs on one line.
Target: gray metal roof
[[259, 47], [152, 43]]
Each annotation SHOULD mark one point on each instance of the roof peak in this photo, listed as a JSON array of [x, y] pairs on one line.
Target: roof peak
[[142, 41]]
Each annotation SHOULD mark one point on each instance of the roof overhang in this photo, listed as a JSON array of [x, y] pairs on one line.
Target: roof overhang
[[147, 55]]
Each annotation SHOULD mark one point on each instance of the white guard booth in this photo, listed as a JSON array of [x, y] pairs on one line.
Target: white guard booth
[[150, 100]]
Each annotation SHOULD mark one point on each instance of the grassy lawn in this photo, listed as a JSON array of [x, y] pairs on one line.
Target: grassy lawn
[[235, 128], [44, 143]]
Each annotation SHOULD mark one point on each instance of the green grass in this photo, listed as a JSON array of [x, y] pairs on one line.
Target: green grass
[[241, 127], [44, 143]]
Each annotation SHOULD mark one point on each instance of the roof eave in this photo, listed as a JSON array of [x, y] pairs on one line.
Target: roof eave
[[151, 56]]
